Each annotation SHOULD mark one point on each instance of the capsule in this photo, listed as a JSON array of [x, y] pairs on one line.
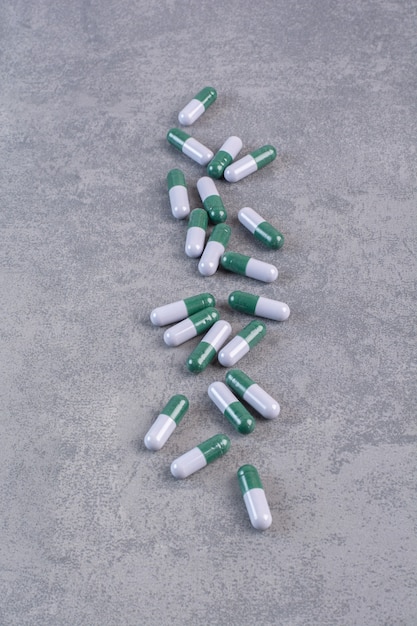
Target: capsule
[[200, 456], [178, 195], [166, 422], [240, 345], [176, 311], [224, 157], [209, 346], [231, 408], [189, 146], [196, 107], [196, 233], [253, 394], [250, 163], [214, 249], [211, 200], [258, 305], [248, 266], [192, 326], [262, 230], [254, 497]]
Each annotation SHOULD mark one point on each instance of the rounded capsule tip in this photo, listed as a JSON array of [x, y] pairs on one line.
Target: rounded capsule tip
[[153, 443], [178, 470]]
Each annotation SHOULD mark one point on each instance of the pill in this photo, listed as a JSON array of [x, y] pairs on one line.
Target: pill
[[176, 311], [192, 326], [204, 353], [196, 107], [258, 305], [196, 233], [262, 230], [224, 157], [178, 195], [254, 497], [248, 266], [250, 163], [189, 146], [252, 393], [166, 422], [214, 249], [233, 410], [240, 345], [211, 200], [200, 456]]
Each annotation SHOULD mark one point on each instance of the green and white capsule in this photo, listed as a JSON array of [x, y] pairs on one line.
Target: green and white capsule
[[189, 146], [176, 311], [253, 394], [214, 249], [211, 200], [178, 194], [240, 345], [231, 408], [262, 230], [254, 497], [258, 305], [194, 325], [224, 157], [196, 107], [204, 353], [196, 233], [250, 163], [166, 422], [248, 266], [200, 456]]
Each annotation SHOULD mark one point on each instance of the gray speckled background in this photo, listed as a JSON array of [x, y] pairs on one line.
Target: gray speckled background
[[94, 530]]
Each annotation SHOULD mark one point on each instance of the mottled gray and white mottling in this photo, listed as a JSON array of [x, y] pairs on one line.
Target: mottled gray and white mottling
[[94, 530]]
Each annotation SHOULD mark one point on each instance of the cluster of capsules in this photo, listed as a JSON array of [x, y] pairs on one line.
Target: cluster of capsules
[[197, 314]]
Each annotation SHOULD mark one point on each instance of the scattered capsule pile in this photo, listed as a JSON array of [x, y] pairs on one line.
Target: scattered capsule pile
[[197, 315]]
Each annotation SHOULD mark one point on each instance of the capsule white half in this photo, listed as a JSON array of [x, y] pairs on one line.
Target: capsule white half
[[272, 309], [221, 395], [233, 351], [169, 313], [206, 188], [258, 508], [262, 402], [180, 333], [250, 219], [191, 112], [159, 432], [210, 259], [266, 272], [197, 152], [188, 463], [194, 242], [240, 169], [178, 199]]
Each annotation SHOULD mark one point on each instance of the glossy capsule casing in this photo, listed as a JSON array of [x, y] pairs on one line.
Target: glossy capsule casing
[[249, 391], [197, 106], [178, 194], [211, 200], [189, 146], [262, 230], [205, 352], [250, 163], [166, 422], [196, 233], [200, 456], [224, 157], [259, 306], [192, 326], [214, 249], [254, 497], [233, 410], [240, 345], [179, 310], [248, 266]]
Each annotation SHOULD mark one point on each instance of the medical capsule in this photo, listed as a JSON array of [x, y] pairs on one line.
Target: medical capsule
[[224, 157], [250, 163], [214, 249], [176, 311], [252, 393], [204, 353], [248, 266], [191, 327], [200, 456], [166, 422], [178, 195], [231, 408], [189, 146], [254, 497], [211, 200], [258, 305], [262, 230], [196, 233], [196, 107], [240, 345]]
